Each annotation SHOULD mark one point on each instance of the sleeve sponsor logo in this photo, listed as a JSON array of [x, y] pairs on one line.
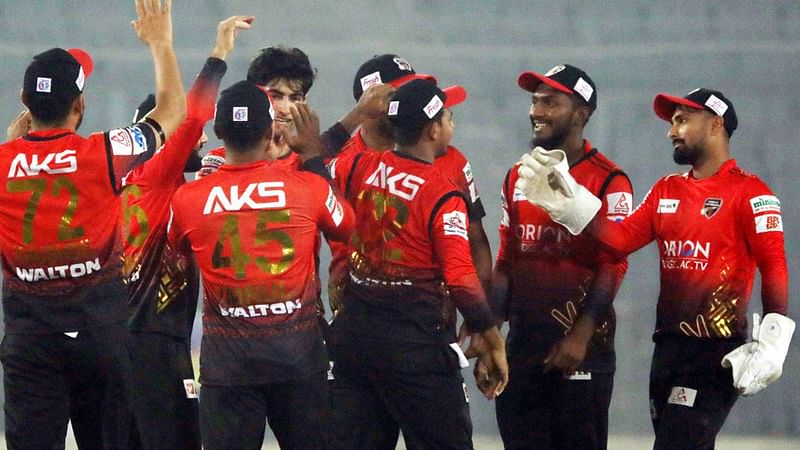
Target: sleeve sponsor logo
[[473, 193], [668, 206], [765, 203], [769, 222], [127, 141], [619, 204], [334, 208], [682, 396], [467, 172], [455, 224]]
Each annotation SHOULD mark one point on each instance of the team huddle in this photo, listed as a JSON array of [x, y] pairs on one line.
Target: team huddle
[[105, 247]]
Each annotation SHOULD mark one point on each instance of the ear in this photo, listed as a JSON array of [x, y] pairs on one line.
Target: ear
[[718, 126], [218, 132], [24, 97], [77, 105], [582, 114], [433, 129]]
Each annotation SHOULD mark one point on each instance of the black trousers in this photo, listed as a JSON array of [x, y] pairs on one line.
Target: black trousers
[[164, 399], [541, 410], [691, 394], [379, 386], [52, 379], [298, 412]]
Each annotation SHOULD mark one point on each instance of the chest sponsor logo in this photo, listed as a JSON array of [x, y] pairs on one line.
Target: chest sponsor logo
[[685, 255], [252, 311], [710, 207], [401, 184], [264, 195], [34, 274], [765, 203], [455, 224], [668, 206], [682, 396], [543, 239], [769, 222], [53, 163], [619, 204]]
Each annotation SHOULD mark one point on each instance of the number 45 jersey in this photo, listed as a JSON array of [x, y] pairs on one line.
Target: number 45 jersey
[[60, 232], [253, 231]]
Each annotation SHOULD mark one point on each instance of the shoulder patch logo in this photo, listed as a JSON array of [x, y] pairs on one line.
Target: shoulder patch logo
[[765, 203], [710, 207], [619, 203], [455, 224], [769, 222]]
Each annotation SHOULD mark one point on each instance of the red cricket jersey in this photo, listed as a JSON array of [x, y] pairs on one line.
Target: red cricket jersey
[[253, 230], [553, 275], [163, 284], [453, 165], [711, 235], [411, 262], [59, 226]]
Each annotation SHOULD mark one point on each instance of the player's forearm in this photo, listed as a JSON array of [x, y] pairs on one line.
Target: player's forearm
[[603, 289], [170, 97], [498, 299], [481, 255]]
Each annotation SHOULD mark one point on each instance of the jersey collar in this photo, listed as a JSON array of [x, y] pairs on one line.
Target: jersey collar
[[726, 167], [47, 135]]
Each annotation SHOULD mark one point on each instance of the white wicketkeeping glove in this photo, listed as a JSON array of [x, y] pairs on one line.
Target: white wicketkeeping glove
[[758, 364], [545, 181]]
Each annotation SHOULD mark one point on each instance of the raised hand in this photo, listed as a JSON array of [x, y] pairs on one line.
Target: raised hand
[[154, 22], [227, 31]]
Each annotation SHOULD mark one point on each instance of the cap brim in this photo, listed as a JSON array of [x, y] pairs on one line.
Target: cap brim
[[413, 76], [664, 105], [84, 59], [531, 80], [454, 95]]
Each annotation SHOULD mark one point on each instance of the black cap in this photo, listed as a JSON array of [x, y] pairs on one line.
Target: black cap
[[243, 105], [419, 101], [385, 69], [147, 105], [701, 98], [565, 78], [58, 74]]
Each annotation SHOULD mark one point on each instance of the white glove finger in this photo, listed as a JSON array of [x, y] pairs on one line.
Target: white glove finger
[[526, 173], [756, 325], [531, 163]]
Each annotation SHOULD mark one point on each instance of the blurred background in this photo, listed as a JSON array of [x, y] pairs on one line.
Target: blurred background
[[632, 50]]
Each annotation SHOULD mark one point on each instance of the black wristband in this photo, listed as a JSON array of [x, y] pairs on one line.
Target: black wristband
[[157, 128]]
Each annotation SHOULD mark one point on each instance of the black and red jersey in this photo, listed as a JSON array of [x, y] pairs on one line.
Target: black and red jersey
[[712, 234], [253, 231], [553, 275], [410, 259], [452, 164], [162, 283], [59, 226]]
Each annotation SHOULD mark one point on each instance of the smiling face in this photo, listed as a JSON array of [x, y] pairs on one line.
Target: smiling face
[[283, 93], [689, 133], [552, 116]]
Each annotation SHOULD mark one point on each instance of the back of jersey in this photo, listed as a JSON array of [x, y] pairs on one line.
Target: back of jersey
[[59, 231]]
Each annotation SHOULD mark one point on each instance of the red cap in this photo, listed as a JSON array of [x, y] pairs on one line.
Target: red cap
[[454, 95], [84, 59]]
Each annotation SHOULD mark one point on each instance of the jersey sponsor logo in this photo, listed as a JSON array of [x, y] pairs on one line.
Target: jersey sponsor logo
[[34, 274], [264, 195], [682, 396], [334, 207], [455, 224], [127, 141], [264, 310], [668, 206], [53, 163], [769, 222], [401, 184], [710, 207], [546, 239], [685, 255], [619, 205], [765, 203]]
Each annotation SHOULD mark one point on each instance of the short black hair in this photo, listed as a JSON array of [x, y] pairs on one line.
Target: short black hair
[[278, 62], [49, 110], [409, 134]]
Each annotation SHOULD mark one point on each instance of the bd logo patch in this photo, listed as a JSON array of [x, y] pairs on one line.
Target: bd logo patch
[[710, 207]]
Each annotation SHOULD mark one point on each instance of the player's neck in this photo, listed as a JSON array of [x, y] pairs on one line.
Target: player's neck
[[65, 125], [375, 139], [573, 147], [419, 151], [713, 157]]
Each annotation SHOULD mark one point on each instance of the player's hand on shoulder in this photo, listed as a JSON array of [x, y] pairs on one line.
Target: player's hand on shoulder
[[227, 31], [153, 24]]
